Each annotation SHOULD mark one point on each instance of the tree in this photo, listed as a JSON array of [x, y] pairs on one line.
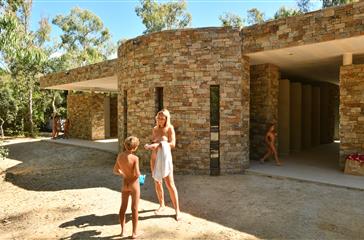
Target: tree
[[8, 105], [255, 16], [84, 41], [304, 6], [231, 19], [331, 3], [23, 53], [284, 12], [160, 16]]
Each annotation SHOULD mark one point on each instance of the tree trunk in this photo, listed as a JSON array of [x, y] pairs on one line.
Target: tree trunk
[[54, 108], [30, 111], [1, 128]]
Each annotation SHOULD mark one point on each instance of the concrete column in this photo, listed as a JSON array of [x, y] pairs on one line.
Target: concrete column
[[306, 115], [295, 117], [324, 107], [315, 116], [347, 59], [284, 117]]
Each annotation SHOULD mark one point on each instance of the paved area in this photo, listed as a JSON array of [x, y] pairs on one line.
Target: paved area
[[318, 164], [108, 145]]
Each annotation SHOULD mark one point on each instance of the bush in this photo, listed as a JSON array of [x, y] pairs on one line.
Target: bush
[[3, 151]]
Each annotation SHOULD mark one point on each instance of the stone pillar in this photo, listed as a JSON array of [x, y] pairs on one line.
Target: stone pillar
[[107, 116], [296, 117], [306, 115], [315, 116], [264, 87], [97, 116], [351, 111], [284, 117]]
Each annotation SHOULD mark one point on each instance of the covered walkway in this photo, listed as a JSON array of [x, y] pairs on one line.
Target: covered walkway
[[314, 165]]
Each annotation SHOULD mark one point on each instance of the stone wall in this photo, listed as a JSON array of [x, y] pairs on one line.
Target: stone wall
[[351, 111], [264, 87], [86, 114], [97, 116], [186, 63], [113, 116], [314, 27], [78, 113]]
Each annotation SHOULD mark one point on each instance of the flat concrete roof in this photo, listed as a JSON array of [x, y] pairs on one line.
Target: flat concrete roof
[[95, 77]]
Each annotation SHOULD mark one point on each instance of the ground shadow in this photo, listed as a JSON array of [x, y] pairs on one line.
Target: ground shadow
[[49, 166]]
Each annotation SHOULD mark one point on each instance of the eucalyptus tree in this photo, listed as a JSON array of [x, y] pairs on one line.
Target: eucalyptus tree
[[161, 16]]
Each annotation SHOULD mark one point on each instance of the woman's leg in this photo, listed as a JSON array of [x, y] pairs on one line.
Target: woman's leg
[[173, 193], [157, 185]]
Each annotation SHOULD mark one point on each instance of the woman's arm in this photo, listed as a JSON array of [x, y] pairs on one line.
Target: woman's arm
[[171, 137]]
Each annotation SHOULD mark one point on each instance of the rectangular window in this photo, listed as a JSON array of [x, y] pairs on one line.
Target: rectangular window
[[158, 98], [125, 106], [214, 130]]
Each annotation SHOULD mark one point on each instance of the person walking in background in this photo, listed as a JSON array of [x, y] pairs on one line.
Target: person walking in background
[[270, 137]]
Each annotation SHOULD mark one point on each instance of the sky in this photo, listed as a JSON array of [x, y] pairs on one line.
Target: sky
[[120, 18]]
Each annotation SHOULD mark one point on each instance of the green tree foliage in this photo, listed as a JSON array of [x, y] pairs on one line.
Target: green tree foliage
[[3, 151], [254, 16], [8, 105], [331, 3], [84, 41], [23, 55], [160, 16], [232, 20], [284, 12]]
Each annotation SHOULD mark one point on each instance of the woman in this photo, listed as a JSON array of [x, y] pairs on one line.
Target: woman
[[164, 130]]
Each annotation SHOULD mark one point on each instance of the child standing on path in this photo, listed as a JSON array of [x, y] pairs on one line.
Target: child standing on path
[[270, 137], [127, 166]]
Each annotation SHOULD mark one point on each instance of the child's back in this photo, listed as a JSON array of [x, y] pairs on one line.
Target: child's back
[[127, 166]]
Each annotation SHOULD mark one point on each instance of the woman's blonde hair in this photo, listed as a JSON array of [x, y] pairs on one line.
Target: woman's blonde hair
[[166, 114]]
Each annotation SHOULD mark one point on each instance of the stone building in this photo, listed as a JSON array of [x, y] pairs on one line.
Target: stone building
[[223, 86]]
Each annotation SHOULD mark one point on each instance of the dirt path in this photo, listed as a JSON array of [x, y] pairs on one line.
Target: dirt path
[[63, 192]]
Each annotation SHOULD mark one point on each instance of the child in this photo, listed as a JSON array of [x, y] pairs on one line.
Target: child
[[127, 166], [270, 141]]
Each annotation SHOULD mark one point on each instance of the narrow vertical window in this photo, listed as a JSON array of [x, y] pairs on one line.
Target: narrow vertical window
[[214, 130], [125, 101], [158, 98]]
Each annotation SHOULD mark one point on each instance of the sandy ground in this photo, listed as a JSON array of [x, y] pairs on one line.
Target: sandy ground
[[54, 191]]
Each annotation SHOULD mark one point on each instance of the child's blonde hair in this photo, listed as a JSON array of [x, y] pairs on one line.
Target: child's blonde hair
[[166, 114], [131, 143]]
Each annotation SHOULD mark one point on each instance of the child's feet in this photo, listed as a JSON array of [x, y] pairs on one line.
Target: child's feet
[[136, 235], [261, 160], [278, 163]]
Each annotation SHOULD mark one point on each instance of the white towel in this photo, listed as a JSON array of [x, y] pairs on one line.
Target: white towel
[[163, 163]]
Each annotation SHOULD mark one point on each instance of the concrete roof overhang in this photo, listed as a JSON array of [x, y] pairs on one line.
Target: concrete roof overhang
[[96, 77], [313, 62], [309, 47]]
